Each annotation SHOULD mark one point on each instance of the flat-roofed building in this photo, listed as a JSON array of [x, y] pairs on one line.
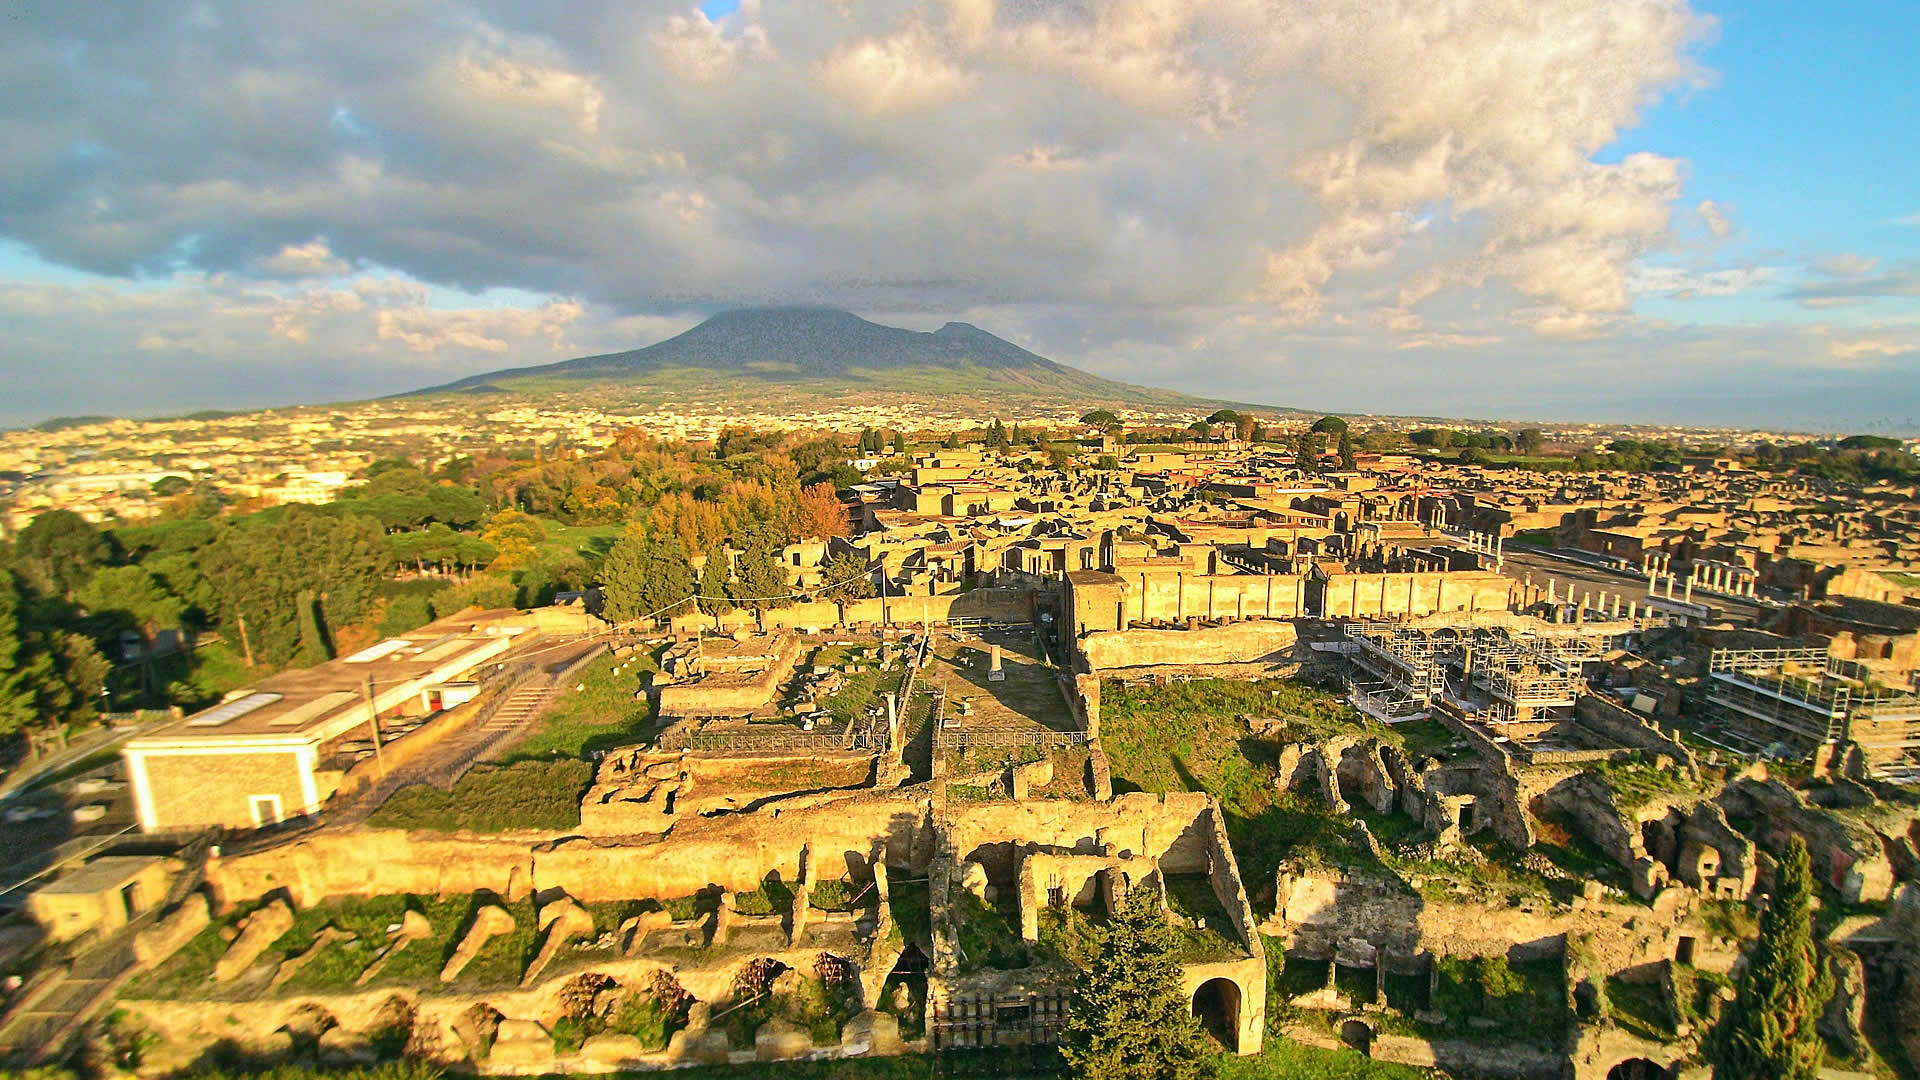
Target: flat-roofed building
[[277, 749]]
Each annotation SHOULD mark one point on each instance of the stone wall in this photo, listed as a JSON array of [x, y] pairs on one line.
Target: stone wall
[[734, 851], [1628, 728], [1357, 595], [1237, 642]]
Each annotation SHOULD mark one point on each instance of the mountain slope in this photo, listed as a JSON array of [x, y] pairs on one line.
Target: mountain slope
[[821, 348]]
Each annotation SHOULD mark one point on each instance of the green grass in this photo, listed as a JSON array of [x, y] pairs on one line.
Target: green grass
[[1635, 783], [542, 795], [591, 542], [603, 716], [187, 974], [1283, 1059], [988, 936], [911, 910], [1639, 1009], [1191, 897], [1189, 737], [1071, 933], [859, 689]]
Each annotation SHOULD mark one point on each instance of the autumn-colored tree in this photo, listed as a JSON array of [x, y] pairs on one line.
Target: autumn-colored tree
[[513, 534], [819, 514]]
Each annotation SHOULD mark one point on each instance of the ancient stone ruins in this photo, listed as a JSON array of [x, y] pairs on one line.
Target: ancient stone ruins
[[1402, 783]]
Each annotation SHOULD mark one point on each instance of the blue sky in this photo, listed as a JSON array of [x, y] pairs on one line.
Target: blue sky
[[1615, 210]]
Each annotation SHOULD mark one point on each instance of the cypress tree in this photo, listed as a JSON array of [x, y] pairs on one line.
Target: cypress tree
[[1129, 1018], [1769, 1032], [1347, 460]]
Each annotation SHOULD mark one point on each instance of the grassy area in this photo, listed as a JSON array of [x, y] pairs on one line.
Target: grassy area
[[606, 714], [1192, 899], [524, 795], [1282, 1059], [590, 542], [187, 973], [1635, 783], [1191, 737], [860, 689], [1639, 1009], [988, 936]]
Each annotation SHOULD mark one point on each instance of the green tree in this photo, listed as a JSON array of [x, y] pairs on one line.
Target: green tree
[[645, 576], [1305, 456], [169, 486], [58, 551], [715, 588], [1101, 420], [899, 444], [1329, 425], [1129, 1018], [1347, 459], [1223, 416], [1529, 440], [1769, 1032], [847, 577], [996, 434], [260, 566], [24, 670], [759, 575], [136, 596]]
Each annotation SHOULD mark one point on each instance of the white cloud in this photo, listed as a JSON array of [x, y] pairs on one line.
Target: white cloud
[[1717, 217], [497, 78], [907, 71], [1846, 265], [1686, 284], [311, 259]]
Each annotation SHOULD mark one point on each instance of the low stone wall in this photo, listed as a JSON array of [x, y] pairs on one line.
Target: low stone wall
[[1628, 728], [733, 851], [1238, 642]]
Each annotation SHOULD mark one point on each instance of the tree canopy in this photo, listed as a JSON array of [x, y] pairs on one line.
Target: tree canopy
[[1129, 1018], [1769, 1032]]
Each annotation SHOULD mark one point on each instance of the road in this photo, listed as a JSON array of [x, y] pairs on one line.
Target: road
[[1521, 561]]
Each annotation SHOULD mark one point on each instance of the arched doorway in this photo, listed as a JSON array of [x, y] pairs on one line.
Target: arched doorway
[[1217, 1004], [1359, 1035], [1638, 1069]]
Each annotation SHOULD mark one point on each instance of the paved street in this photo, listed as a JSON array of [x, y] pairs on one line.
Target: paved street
[[1521, 561]]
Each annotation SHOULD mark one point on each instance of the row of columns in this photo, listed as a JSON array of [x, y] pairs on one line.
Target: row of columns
[[1606, 605], [1488, 544], [1728, 580]]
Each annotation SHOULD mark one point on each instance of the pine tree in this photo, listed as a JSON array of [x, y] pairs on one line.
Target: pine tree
[[642, 576], [1769, 1032], [1129, 1019], [23, 669], [760, 574]]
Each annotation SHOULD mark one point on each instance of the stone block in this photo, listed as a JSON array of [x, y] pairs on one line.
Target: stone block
[[261, 929], [779, 1040], [521, 1045], [613, 1049], [872, 1033]]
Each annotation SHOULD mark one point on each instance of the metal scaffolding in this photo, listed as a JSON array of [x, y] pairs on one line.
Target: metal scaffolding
[[1396, 670], [1807, 699]]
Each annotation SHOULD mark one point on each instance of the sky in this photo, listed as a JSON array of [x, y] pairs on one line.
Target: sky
[[1584, 210]]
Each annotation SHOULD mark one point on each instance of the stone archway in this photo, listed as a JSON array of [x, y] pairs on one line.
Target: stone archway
[[1358, 1034], [1217, 1004], [1639, 1069]]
